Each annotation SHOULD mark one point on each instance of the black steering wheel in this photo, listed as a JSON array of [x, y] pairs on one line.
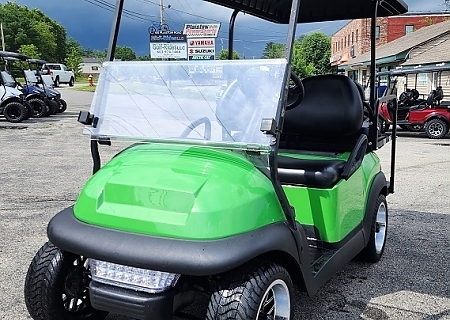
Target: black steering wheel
[[295, 92], [194, 124]]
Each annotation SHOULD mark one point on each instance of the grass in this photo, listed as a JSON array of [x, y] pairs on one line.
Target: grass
[[86, 88]]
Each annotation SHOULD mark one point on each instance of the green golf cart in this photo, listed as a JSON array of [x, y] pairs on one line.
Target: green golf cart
[[273, 185]]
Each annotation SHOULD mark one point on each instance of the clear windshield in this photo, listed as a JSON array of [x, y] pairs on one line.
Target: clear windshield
[[30, 77], [217, 102], [8, 79]]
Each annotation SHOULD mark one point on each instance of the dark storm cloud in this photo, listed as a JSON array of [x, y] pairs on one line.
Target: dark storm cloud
[[90, 24]]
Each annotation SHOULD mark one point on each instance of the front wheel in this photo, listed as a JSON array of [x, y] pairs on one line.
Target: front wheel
[[15, 112], [378, 232], [255, 292], [436, 128], [71, 82], [62, 105], [56, 286]]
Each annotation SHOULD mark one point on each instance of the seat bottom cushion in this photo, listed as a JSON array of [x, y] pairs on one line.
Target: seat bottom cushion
[[310, 173]]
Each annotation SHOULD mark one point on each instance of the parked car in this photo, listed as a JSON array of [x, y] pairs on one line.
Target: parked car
[[59, 73]]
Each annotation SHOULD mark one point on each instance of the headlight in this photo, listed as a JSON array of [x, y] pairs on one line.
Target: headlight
[[132, 278]]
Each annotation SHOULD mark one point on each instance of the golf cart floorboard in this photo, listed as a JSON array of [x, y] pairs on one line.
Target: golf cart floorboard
[[319, 255]]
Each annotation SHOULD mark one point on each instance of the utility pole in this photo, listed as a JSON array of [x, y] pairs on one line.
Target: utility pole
[[161, 11], [3, 37]]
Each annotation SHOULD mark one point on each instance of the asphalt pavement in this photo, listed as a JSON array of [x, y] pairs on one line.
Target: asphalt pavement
[[45, 162]]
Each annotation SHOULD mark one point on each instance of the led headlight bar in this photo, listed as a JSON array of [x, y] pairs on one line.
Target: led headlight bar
[[132, 278]]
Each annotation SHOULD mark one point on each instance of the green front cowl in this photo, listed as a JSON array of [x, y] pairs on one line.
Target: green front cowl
[[179, 191]]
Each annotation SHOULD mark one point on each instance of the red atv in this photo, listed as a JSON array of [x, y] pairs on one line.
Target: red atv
[[415, 113]]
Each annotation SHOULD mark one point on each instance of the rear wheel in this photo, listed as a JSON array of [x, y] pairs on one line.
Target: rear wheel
[[436, 128], [53, 106], [256, 292], [56, 286], [378, 232], [383, 126], [30, 109], [71, 82], [56, 82], [14, 112], [39, 108]]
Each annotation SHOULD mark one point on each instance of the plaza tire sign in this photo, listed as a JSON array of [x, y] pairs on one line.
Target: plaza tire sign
[[201, 30]]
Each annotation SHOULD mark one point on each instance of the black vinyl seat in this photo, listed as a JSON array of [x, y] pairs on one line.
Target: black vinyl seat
[[329, 119]]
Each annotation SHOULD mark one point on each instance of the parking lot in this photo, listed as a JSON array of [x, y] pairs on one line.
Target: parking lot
[[45, 162]]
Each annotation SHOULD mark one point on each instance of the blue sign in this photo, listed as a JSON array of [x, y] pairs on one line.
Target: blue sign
[[202, 57]]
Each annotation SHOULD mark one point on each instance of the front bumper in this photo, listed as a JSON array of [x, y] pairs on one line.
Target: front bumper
[[186, 257], [134, 304]]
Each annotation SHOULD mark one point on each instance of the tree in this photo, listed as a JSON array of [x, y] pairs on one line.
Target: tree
[[299, 65], [124, 54], [274, 50], [23, 26], [315, 49], [30, 50], [74, 60], [223, 55]]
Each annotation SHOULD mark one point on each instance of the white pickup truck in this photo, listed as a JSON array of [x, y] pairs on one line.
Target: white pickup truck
[[59, 73]]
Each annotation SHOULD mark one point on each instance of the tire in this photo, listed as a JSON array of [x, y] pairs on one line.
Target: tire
[[383, 126], [436, 128], [57, 282], [14, 112], [378, 232], [53, 107], [39, 107], [56, 82], [30, 110], [245, 294], [71, 82], [62, 105]]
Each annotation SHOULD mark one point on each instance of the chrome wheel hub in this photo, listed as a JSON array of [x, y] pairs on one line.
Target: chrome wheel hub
[[276, 303], [380, 227]]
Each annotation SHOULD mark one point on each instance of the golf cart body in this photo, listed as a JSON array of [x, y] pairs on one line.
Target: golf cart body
[[417, 111], [262, 177], [12, 103]]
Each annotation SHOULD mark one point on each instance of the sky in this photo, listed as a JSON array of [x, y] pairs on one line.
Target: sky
[[89, 22]]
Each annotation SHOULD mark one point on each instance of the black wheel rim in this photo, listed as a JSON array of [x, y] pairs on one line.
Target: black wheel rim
[[75, 296], [15, 112]]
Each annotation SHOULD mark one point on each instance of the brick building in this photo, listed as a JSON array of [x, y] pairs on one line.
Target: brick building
[[354, 38]]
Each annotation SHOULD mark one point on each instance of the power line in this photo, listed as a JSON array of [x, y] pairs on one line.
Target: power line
[[136, 16]]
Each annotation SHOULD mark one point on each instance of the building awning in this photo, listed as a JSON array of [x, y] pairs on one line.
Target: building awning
[[338, 60]]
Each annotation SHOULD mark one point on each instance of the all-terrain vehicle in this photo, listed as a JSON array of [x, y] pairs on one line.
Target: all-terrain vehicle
[[13, 105], [416, 111], [276, 185], [46, 81], [35, 97]]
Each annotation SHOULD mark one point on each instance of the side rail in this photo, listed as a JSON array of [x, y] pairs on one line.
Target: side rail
[[394, 101]]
